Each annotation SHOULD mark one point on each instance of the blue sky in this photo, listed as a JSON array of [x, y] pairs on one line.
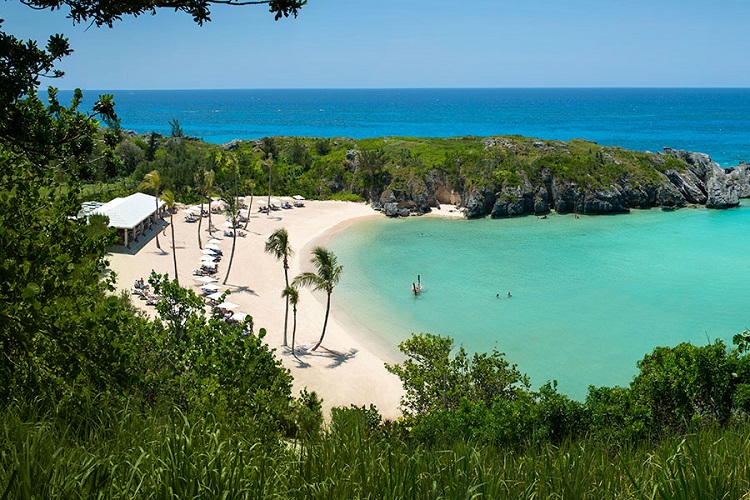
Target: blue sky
[[403, 43]]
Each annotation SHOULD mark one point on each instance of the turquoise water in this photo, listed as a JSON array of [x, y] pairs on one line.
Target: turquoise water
[[590, 296]]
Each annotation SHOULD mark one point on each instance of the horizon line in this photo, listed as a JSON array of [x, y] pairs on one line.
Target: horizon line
[[405, 88]]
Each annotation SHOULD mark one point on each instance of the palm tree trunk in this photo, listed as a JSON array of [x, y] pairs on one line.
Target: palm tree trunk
[[233, 207], [249, 210], [231, 256], [286, 308], [157, 221], [270, 168], [210, 224], [200, 221], [174, 250], [325, 322], [294, 329]]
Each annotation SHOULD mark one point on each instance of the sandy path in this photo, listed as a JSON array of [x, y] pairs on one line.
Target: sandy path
[[348, 368]]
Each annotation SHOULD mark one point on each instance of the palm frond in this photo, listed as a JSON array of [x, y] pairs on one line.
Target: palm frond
[[308, 279]]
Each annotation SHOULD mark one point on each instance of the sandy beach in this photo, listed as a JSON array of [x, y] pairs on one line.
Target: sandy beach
[[346, 369]]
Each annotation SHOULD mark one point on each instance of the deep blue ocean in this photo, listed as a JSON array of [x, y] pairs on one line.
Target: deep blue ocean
[[713, 121]]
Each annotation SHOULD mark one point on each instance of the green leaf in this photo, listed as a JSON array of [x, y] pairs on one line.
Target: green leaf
[[31, 290]]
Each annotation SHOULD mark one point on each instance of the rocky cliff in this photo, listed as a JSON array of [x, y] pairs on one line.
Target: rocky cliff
[[692, 179]]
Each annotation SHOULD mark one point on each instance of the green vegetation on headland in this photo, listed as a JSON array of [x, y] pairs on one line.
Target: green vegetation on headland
[[496, 176], [97, 401]]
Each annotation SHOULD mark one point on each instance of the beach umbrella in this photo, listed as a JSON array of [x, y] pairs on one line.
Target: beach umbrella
[[212, 241], [260, 201], [239, 316], [206, 258], [209, 265], [211, 286], [211, 246], [215, 296], [298, 197], [274, 201], [206, 279], [209, 251], [228, 305]]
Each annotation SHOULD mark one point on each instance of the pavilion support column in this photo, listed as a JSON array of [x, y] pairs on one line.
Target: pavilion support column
[[126, 236]]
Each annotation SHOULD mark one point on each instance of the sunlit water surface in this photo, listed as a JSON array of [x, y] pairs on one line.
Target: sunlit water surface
[[590, 296]]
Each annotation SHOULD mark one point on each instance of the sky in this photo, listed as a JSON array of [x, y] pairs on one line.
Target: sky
[[408, 44]]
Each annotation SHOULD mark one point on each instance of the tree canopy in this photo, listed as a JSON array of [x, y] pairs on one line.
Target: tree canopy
[[107, 13]]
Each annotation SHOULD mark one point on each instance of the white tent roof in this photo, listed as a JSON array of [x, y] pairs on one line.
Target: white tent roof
[[239, 316], [128, 212]]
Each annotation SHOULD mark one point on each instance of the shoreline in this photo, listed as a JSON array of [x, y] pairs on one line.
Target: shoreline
[[348, 368]]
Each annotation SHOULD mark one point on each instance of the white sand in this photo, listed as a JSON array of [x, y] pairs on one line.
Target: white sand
[[347, 368]]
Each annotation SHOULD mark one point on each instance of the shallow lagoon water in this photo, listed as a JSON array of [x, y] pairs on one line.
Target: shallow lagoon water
[[590, 296]]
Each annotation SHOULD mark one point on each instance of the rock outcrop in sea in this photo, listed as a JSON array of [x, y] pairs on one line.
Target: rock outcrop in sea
[[694, 179]]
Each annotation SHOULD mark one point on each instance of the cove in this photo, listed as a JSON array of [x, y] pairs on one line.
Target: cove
[[590, 296]]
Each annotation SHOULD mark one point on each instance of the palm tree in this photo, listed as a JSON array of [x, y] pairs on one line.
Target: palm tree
[[250, 184], [278, 246], [291, 295], [168, 198], [328, 275], [269, 164], [268, 146], [210, 176], [233, 208], [233, 205], [152, 181], [200, 181]]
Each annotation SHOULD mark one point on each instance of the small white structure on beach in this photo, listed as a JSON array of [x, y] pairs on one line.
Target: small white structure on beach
[[132, 216]]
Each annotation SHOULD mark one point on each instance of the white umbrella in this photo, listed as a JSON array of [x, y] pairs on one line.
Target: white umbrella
[[239, 316], [212, 241], [274, 201], [209, 265], [298, 197], [215, 296], [262, 201], [208, 251], [206, 258], [207, 279], [211, 246], [211, 286], [228, 305]]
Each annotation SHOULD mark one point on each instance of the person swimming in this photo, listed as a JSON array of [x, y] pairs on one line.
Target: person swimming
[[509, 295]]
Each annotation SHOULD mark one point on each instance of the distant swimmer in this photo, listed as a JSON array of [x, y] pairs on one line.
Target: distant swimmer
[[498, 295], [509, 295]]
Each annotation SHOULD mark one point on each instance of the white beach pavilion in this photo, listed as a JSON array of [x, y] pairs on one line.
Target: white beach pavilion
[[132, 216]]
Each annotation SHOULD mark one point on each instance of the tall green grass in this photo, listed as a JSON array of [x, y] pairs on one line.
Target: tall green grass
[[170, 456]]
